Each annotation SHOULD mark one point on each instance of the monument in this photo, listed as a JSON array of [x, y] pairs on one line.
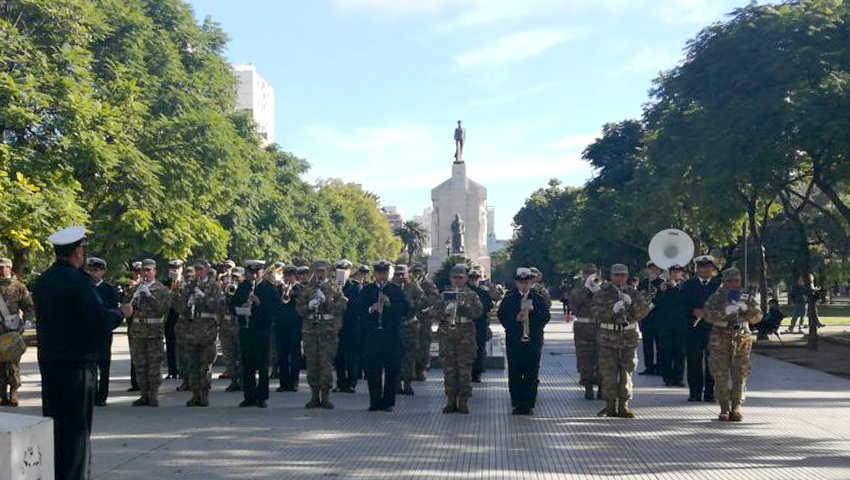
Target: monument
[[459, 215]]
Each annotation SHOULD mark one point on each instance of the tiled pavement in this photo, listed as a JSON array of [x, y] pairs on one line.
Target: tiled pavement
[[796, 426]]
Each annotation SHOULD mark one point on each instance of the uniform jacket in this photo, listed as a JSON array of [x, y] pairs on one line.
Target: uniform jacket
[[486, 304], [715, 311], [200, 314], [431, 296], [470, 307], [154, 306], [334, 305], [18, 299], [603, 311], [392, 313], [694, 295], [581, 299], [538, 318]]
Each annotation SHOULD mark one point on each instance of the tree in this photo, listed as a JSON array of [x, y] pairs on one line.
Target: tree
[[413, 236]]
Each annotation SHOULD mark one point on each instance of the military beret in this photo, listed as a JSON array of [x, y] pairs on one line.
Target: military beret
[[382, 266], [321, 265], [417, 268], [290, 270], [705, 259], [68, 236], [254, 265], [91, 262], [230, 263], [589, 268], [459, 270], [201, 263], [364, 268], [175, 264], [148, 263], [303, 269], [136, 265], [524, 273], [619, 269], [5, 262], [344, 264], [731, 274], [401, 268]]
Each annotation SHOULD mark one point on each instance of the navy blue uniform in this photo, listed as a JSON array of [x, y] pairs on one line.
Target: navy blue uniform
[[482, 323], [288, 337], [694, 294], [347, 360], [71, 321], [649, 330], [523, 358], [110, 297], [672, 315], [255, 337]]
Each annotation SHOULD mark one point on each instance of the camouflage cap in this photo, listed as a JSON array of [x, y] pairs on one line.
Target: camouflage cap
[[476, 271], [91, 262], [401, 268], [619, 269], [731, 274], [201, 264], [589, 268], [321, 265], [5, 262], [238, 271], [137, 265], [459, 270], [344, 264], [148, 263], [190, 270]]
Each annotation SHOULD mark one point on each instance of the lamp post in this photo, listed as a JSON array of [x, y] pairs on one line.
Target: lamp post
[[448, 247]]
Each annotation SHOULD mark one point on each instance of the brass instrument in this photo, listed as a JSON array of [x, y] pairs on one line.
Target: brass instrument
[[625, 315], [526, 306], [230, 289], [453, 296], [381, 296]]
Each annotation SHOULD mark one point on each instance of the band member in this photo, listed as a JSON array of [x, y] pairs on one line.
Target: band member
[[151, 300], [322, 305], [228, 329], [584, 331], [649, 325], [482, 322], [458, 307], [16, 307], [730, 314], [694, 293], [524, 315], [135, 279], [288, 332], [618, 308], [671, 316], [348, 356], [409, 331], [381, 306], [110, 297], [426, 315]]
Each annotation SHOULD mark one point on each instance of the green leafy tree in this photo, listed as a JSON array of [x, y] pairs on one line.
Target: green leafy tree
[[412, 235]]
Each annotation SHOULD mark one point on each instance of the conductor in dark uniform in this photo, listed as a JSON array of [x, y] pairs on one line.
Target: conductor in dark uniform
[[110, 297], [381, 306], [694, 293], [523, 304], [71, 322]]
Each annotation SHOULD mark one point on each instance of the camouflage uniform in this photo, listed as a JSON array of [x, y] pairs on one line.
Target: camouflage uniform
[[730, 344], [426, 315], [584, 334], [618, 338], [228, 335], [543, 292], [320, 334], [199, 327], [458, 344], [409, 332], [148, 330], [17, 299]]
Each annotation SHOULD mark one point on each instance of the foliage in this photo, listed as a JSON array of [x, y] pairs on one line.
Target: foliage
[[441, 276], [412, 235]]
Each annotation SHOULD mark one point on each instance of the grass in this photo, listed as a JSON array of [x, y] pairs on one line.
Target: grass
[[828, 314]]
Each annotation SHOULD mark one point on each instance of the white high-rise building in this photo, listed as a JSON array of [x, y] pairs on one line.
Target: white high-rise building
[[394, 216], [256, 96], [425, 221]]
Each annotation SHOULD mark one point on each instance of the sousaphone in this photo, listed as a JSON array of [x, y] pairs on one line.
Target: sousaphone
[[671, 247]]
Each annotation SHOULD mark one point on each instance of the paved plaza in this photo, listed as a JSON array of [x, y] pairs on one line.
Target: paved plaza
[[796, 426]]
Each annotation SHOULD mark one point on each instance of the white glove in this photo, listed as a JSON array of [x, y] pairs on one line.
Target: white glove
[[627, 299], [314, 303], [742, 306], [320, 296], [733, 308], [451, 307], [144, 290], [619, 307], [199, 293]]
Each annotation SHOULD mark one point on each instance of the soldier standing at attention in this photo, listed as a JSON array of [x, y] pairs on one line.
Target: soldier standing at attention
[[730, 314], [458, 307], [288, 332], [482, 322], [150, 301], [322, 305], [409, 331], [15, 299], [694, 293], [618, 308], [174, 282], [348, 354], [381, 306], [524, 315], [110, 297], [71, 319], [585, 331], [426, 319], [202, 302]]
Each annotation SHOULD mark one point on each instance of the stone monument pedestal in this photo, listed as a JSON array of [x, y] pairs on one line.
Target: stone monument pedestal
[[26, 447]]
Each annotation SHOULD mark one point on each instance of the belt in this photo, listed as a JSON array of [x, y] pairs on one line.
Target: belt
[[326, 316], [582, 320], [462, 320], [227, 317], [149, 321], [210, 316], [409, 321], [618, 328]]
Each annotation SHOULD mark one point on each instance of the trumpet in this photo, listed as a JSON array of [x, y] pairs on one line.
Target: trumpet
[[381, 296], [526, 306], [622, 296], [230, 289], [453, 296]]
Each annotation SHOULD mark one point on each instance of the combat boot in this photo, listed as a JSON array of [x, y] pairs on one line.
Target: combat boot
[[316, 401], [141, 401], [13, 397], [204, 399], [326, 399], [624, 411], [233, 387], [463, 405], [610, 409], [420, 373], [588, 392], [407, 388], [735, 415], [451, 404], [4, 398], [724, 411], [599, 394], [153, 400]]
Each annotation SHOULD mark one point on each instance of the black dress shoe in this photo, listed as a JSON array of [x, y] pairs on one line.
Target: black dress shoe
[[247, 403], [694, 399], [262, 404], [387, 409], [646, 372], [708, 399], [515, 411], [100, 402], [374, 409], [133, 389]]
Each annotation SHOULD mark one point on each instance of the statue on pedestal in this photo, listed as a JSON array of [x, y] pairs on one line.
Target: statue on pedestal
[[460, 141], [458, 234]]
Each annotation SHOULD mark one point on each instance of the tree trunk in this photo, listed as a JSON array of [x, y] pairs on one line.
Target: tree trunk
[[834, 197], [760, 257]]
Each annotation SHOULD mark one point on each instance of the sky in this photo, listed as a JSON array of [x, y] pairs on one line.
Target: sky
[[369, 91]]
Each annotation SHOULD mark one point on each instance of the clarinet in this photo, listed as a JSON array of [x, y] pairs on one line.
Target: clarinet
[[526, 320], [380, 323]]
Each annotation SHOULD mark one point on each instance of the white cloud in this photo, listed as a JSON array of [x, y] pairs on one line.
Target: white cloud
[[514, 47], [649, 60], [577, 141], [511, 97]]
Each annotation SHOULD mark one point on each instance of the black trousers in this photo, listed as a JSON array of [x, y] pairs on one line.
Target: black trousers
[[523, 372], [347, 361], [67, 396], [171, 344], [382, 364], [651, 344], [288, 338], [103, 365], [671, 358], [256, 353], [696, 352], [481, 347]]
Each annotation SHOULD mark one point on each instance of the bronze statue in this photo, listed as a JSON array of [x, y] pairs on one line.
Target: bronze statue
[[458, 234], [460, 141]]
